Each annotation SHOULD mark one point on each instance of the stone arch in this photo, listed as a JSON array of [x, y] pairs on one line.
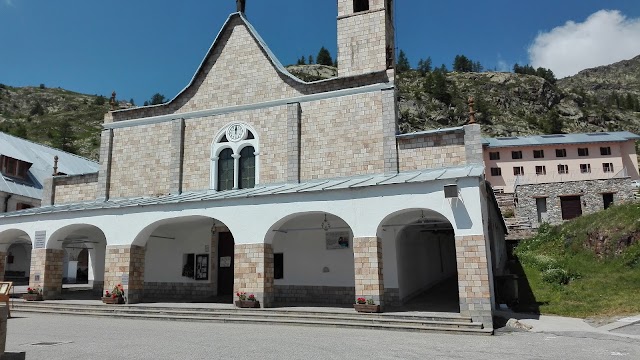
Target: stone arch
[[313, 259], [420, 260]]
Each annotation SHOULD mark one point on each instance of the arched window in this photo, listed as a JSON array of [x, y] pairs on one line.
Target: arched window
[[235, 158], [247, 169], [225, 170]]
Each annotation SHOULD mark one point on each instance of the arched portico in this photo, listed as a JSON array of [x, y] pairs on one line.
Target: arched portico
[[59, 263], [15, 256], [422, 275], [313, 260]]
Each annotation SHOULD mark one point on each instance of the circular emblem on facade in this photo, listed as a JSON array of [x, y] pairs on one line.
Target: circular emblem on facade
[[236, 132]]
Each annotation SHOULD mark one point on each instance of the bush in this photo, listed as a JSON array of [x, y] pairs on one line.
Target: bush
[[556, 276], [508, 213]]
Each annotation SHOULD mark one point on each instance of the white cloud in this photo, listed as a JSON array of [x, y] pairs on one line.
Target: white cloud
[[605, 37], [502, 65]]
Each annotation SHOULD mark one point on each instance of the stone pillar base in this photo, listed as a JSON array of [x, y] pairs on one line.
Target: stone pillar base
[[253, 272], [46, 272], [124, 264], [473, 279], [367, 257], [3, 257]]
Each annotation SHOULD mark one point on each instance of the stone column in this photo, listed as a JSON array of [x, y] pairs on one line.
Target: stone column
[[294, 114], [253, 271], [473, 144], [213, 263], [177, 156], [367, 256], [124, 264], [389, 128], [104, 176], [474, 286], [46, 271], [48, 192], [3, 261]]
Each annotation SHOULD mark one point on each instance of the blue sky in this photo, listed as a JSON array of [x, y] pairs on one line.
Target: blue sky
[[142, 47]]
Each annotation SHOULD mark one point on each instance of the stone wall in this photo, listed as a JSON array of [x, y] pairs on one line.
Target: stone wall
[[75, 188], [128, 261], [367, 258], [433, 150], [474, 287], [362, 41], [46, 271], [141, 158], [342, 136], [271, 127], [159, 291], [326, 295], [590, 192], [253, 271], [3, 259]]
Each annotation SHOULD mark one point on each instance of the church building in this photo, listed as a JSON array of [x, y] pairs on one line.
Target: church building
[[251, 180]]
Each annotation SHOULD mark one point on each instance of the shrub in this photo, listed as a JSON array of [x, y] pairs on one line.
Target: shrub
[[556, 276], [508, 213]]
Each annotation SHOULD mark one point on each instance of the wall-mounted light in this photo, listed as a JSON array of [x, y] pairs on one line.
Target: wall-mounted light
[[325, 225], [451, 191]]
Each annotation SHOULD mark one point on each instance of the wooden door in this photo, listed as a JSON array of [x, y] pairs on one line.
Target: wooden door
[[571, 207], [225, 263]]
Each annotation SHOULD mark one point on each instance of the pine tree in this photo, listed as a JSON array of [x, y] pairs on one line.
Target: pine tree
[[157, 99], [324, 57], [424, 66], [402, 64], [310, 59]]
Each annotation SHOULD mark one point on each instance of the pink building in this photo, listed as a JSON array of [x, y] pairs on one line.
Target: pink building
[[557, 177]]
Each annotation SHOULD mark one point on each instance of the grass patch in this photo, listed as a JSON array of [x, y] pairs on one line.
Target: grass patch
[[589, 266]]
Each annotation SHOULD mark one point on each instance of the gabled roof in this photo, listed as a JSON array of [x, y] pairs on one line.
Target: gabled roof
[[261, 43], [558, 139], [41, 158]]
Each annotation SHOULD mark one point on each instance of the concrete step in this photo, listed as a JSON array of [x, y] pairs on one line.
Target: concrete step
[[447, 324]]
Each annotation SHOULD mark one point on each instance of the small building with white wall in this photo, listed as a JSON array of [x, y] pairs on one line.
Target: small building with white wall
[[300, 193]]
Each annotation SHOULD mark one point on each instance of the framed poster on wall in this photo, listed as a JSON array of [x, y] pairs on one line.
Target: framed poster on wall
[[202, 267], [337, 240]]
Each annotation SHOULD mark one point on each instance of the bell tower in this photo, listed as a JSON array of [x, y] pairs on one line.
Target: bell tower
[[365, 36]]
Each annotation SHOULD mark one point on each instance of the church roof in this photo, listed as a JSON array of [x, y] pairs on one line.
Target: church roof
[[560, 139], [41, 158], [265, 190]]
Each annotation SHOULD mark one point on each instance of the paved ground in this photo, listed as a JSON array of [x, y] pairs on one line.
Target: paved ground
[[99, 338]]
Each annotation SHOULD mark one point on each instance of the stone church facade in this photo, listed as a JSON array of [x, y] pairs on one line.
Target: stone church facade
[[300, 193]]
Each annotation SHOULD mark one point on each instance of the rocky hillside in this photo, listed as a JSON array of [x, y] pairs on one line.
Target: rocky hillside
[[606, 98], [55, 117]]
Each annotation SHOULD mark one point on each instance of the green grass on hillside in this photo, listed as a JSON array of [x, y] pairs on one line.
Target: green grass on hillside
[[589, 266]]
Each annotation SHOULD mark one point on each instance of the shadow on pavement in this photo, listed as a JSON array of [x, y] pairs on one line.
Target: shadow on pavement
[[13, 356]]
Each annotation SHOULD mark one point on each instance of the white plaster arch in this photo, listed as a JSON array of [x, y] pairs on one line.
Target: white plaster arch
[[236, 146], [269, 236], [402, 218], [56, 239], [12, 236], [142, 237]]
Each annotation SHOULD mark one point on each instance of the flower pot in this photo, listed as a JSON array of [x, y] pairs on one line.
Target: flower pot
[[32, 297], [247, 304], [366, 308], [113, 300]]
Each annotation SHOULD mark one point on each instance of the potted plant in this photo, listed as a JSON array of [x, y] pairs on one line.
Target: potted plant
[[33, 294], [116, 296], [245, 301], [366, 305]]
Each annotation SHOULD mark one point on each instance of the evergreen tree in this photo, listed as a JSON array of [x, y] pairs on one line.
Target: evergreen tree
[[324, 57], [132, 102], [157, 99], [402, 64], [100, 100], [552, 124], [146, 103], [424, 66], [37, 109], [310, 59], [462, 63]]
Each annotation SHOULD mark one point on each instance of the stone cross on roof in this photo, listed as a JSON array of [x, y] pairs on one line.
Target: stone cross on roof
[[241, 5]]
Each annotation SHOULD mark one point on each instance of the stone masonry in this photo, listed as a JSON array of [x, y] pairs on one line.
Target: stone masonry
[[434, 150], [125, 260], [590, 193], [75, 188], [367, 254], [253, 272], [46, 271], [474, 286], [3, 257]]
